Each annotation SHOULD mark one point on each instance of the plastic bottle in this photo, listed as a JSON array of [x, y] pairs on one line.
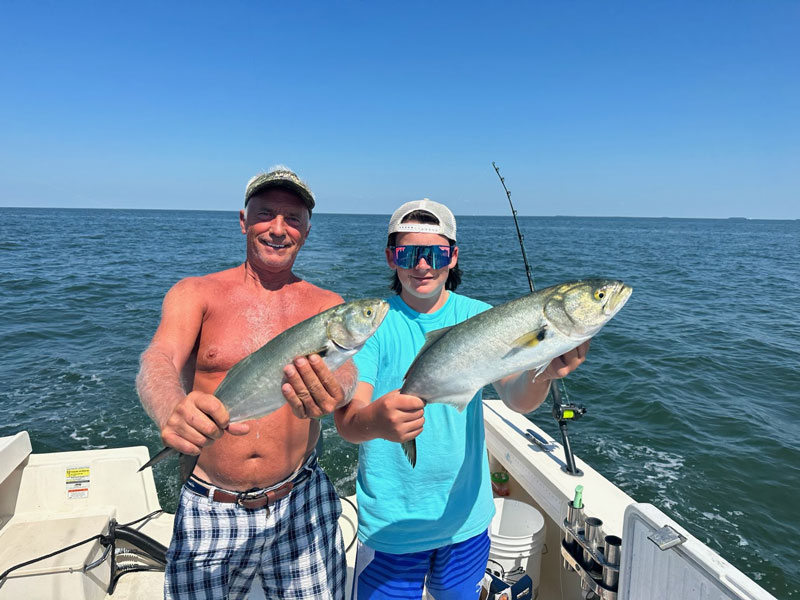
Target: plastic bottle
[[500, 483]]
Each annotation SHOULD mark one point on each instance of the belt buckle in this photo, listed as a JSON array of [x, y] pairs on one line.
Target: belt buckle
[[243, 497]]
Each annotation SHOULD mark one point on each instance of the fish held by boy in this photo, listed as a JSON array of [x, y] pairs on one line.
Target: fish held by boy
[[520, 335], [252, 387]]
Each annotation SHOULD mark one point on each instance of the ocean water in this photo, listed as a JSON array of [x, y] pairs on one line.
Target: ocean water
[[692, 391]]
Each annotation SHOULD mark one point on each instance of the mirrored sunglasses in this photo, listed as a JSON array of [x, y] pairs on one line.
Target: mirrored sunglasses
[[408, 257]]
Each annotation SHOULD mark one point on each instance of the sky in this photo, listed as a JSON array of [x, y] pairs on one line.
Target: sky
[[589, 108]]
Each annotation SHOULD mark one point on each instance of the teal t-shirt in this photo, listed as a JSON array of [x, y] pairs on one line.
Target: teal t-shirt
[[447, 498]]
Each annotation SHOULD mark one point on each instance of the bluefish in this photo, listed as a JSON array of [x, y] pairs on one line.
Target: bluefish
[[520, 335], [252, 387]]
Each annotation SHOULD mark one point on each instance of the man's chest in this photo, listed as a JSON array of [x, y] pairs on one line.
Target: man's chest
[[233, 331]]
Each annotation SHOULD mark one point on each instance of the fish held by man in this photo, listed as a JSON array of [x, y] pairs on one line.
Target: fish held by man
[[520, 335], [252, 387]]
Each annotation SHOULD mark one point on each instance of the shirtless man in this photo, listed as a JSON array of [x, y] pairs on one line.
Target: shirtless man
[[258, 484]]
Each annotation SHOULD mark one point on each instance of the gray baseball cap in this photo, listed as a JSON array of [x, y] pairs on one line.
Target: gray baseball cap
[[446, 226], [279, 177]]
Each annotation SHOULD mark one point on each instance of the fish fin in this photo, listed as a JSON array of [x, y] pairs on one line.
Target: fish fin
[[527, 340], [430, 339], [164, 453], [322, 351], [267, 406], [539, 371], [530, 339], [457, 401], [432, 336], [410, 449], [187, 463]]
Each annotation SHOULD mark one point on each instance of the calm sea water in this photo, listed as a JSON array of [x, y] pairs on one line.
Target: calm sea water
[[692, 390]]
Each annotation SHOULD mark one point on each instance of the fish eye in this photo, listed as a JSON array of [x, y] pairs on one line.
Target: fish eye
[[599, 294], [367, 312]]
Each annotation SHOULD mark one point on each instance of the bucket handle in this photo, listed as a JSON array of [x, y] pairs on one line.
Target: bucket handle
[[502, 572], [515, 571]]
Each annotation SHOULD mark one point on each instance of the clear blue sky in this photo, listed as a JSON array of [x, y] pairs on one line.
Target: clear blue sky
[[682, 109]]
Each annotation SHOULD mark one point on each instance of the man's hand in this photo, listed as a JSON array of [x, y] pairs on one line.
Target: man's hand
[[397, 417], [312, 390], [197, 421], [563, 365]]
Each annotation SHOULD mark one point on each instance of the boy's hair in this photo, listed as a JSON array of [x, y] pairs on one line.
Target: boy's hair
[[421, 216]]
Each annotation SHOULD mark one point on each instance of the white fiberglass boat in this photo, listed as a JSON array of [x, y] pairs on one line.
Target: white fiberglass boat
[[49, 502]]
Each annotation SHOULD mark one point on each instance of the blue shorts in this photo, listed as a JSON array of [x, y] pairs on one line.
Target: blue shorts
[[451, 572], [295, 549]]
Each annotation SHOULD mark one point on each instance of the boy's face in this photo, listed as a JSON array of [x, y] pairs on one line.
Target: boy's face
[[422, 281]]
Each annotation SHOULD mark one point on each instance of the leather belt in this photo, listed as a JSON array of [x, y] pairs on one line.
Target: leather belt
[[255, 498]]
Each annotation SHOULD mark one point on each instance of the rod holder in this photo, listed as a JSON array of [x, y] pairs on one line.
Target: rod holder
[[592, 555], [592, 532], [575, 517], [611, 550]]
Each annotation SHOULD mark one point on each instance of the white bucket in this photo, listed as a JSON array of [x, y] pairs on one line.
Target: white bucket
[[517, 534]]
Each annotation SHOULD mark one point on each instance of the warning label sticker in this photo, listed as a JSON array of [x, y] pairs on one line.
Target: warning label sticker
[[77, 480], [77, 472]]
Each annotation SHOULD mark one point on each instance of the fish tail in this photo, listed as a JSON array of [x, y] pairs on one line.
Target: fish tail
[[165, 452], [187, 463], [410, 449]]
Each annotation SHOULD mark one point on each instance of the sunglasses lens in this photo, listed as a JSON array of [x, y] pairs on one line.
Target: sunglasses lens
[[440, 256], [408, 257], [404, 256]]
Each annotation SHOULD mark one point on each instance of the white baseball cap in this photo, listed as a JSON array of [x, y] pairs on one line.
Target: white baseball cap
[[446, 226]]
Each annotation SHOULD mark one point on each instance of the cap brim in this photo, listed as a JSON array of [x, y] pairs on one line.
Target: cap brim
[[303, 193]]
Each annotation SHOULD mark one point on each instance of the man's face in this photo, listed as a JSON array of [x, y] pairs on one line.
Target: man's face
[[276, 223], [422, 281]]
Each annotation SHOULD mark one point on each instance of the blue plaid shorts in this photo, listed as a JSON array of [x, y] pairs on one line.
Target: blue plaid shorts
[[296, 547]]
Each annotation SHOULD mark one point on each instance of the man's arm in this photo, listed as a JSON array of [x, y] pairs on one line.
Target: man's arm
[[521, 393], [186, 422], [395, 417]]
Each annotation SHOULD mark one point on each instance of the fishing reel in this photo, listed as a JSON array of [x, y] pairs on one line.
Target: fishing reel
[[568, 412], [564, 412]]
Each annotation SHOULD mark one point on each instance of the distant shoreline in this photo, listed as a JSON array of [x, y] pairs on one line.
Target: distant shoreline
[[459, 215]]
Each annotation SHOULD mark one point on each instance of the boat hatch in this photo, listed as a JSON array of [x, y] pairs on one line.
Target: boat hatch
[[660, 559]]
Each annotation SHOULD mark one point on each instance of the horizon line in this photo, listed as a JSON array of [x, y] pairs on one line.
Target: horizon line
[[559, 216]]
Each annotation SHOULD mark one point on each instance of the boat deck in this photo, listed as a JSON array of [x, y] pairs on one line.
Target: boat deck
[[49, 501]]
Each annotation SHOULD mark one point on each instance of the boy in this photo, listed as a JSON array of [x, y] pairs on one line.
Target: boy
[[426, 526]]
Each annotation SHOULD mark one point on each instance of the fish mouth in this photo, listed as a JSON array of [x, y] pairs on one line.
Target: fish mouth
[[617, 299], [340, 347], [382, 310]]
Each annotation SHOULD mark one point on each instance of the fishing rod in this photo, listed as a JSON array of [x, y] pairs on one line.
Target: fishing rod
[[563, 412], [519, 233]]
